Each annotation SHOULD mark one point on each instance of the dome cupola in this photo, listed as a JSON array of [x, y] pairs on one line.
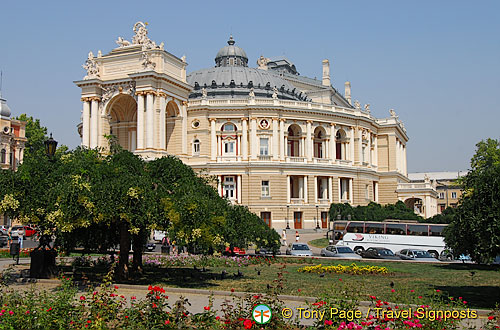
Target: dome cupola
[[231, 55], [4, 109]]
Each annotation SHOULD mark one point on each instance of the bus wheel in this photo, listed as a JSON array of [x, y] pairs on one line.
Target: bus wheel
[[358, 249], [433, 253]]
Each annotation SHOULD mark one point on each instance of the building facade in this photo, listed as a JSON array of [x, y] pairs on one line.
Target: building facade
[[447, 189], [283, 144], [12, 141]]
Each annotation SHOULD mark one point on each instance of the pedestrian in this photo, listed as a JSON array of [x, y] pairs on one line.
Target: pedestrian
[[297, 237], [9, 237], [173, 247]]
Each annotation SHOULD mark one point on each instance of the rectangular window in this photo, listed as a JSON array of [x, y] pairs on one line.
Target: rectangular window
[[264, 146], [367, 192], [453, 195], [229, 148], [344, 190], [229, 187], [265, 189], [441, 195]]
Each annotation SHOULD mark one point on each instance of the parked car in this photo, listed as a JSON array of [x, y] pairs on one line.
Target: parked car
[[3, 230], [378, 253], [150, 247], [299, 249], [158, 235], [447, 255], [339, 252], [234, 251], [416, 255], [17, 231], [267, 251], [29, 231]]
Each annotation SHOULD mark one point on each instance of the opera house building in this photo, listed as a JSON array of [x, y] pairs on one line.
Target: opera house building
[[285, 145]]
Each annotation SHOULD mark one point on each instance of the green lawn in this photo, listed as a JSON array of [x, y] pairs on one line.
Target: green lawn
[[479, 285], [319, 243]]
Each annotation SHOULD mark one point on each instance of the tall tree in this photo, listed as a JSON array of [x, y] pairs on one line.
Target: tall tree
[[475, 228], [35, 134]]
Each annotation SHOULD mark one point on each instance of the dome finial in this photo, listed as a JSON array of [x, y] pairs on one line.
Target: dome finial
[[231, 40]]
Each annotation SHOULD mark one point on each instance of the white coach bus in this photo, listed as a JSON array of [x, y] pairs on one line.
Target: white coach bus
[[394, 235]]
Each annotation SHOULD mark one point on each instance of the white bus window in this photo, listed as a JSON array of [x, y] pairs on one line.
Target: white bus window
[[374, 228], [355, 227], [436, 230], [418, 230], [395, 229]]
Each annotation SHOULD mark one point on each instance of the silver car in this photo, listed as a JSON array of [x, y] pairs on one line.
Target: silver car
[[415, 255], [299, 249], [339, 252]]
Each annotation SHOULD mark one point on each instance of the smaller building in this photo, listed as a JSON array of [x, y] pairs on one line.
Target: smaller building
[[12, 141], [447, 188]]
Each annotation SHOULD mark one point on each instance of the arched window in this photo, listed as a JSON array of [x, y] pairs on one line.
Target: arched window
[[294, 141], [196, 147], [228, 127], [340, 145], [319, 143], [3, 156]]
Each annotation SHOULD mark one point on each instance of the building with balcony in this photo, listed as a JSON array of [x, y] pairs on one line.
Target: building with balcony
[[280, 143]]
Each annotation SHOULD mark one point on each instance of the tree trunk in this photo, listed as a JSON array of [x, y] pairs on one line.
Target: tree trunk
[[137, 245], [122, 272]]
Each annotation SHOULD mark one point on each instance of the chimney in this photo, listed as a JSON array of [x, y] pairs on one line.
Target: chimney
[[347, 92], [326, 73]]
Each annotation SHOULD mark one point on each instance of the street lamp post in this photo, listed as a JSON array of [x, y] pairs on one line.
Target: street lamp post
[[287, 210], [317, 217], [43, 258]]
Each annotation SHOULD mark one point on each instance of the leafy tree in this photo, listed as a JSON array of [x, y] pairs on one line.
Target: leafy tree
[[373, 212], [445, 217], [475, 228], [35, 133]]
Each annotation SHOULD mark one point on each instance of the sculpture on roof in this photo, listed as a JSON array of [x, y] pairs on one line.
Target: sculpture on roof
[[146, 62], [357, 105], [141, 37], [91, 67], [275, 92], [427, 179], [204, 93], [122, 42], [367, 107], [393, 113], [252, 93], [262, 62]]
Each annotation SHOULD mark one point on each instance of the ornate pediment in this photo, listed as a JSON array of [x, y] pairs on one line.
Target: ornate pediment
[[140, 38]]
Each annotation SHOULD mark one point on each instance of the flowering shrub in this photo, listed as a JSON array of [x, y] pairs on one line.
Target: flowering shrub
[[23, 253], [340, 269]]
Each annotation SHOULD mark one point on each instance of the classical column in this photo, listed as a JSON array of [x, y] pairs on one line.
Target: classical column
[[244, 138], [275, 139], [219, 185], [375, 197], [282, 139], [149, 120], [288, 192], [333, 142], [340, 190], [375, 150], [86, 123], [140, 120], [351, 192], [213, 140], [315, 178], [238, 188], [351, 145], [302, 146], [330, 189], [360, 146], [163, 133], [94, 120], [305, 189], [405, 169], [309, 140], [398, 157], [253, 138], [184, 127]]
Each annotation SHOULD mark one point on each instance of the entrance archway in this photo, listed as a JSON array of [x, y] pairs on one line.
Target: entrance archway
[[172, 130], [416, 204], [122, 121]]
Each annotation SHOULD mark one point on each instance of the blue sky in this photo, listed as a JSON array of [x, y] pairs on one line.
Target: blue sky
[[437, 63]]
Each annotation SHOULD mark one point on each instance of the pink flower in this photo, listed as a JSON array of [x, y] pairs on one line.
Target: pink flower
[[207, 308], [82, 297], [167, 322], [11, 312], [328, 322], [133, 298], [438, 290], [393, 290]]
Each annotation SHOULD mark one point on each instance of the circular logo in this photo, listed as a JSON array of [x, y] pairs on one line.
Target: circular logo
[[261, 314]]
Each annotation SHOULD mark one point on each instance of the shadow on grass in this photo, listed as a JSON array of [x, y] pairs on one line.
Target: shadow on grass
[[478, 296], [176, 277], [470, 267]]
